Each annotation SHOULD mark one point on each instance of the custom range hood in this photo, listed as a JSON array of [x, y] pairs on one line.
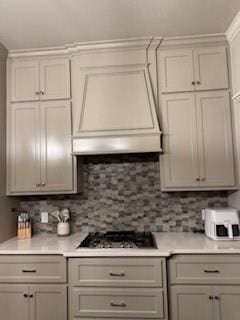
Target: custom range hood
[[114, 93]]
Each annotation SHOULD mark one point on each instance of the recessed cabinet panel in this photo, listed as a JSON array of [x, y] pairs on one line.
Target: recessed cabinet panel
[[24, 80], [56, 148], [13, 304], [191, 302], [176, 70], [48, 302], [211, 68], [55, 79], [215, 139], [24, 147], [122, 303], [105, 109], [180, 159], [227, 302]]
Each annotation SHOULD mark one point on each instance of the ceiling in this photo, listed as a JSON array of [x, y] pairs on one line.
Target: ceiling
[[47, 23]]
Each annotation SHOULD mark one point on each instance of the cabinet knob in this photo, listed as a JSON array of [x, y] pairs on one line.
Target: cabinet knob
[[42, 92], [193, 83], [31, 296], [37, 92], [197, 179], [203, 179], [198, 82], [210, 297], [217, 298], [25, 295], [38, 184], [43, 184]]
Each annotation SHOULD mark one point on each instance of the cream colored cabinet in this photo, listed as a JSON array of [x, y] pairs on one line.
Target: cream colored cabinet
[[24, 148], [46, 79], [47, 302], [205, 302], [176, 70], [13, 303], [191, 302], [204, 287], [198, 147], [180, 153], [193, 69], [35, 302], [226, 302], [40, 157], [24, 80], [117, 288], [215, 139]]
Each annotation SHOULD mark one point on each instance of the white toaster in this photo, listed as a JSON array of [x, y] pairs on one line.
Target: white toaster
[[221, 223]]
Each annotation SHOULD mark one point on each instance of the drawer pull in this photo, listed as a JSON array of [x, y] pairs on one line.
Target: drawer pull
[[29, 271], [211, 271], [115, 304], [120, 274]]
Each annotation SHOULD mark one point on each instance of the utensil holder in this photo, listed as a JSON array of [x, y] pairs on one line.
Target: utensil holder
[[63, 229]]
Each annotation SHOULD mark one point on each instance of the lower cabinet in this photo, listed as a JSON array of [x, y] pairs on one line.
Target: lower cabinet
[[33, 302], [205, 302], [204, 287], [119, 288]]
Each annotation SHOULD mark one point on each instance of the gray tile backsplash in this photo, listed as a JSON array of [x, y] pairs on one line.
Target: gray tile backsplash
[[122, 192]]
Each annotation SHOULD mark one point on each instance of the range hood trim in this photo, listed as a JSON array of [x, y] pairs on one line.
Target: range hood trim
[[138, 143]]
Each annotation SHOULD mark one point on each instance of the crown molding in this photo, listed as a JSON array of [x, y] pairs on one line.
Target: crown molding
[[234, 28], [203, 39], [75, 48], [3, 52]]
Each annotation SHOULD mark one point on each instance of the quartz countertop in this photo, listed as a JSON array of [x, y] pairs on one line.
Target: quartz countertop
[[168, 243]]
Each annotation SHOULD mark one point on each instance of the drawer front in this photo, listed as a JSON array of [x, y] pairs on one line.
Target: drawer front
[[205, 269], [117, 272], [131, 303], [25, 268]]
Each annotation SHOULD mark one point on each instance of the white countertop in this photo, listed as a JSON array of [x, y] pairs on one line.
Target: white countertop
[[168, 243]]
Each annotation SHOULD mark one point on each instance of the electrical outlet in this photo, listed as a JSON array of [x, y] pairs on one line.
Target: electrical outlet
[[44, 217]]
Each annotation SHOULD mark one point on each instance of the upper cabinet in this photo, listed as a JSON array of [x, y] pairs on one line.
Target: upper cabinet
[[40, 159], [195, 69], [198, 146], [47, 79]]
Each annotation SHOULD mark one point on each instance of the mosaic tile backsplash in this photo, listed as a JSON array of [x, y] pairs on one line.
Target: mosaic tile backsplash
[[122, 192]]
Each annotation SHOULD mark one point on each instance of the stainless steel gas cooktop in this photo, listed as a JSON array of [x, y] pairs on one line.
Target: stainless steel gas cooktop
[[119, 239]]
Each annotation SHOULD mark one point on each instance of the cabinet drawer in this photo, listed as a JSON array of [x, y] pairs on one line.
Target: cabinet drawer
[[27, 268], [131, 303], [205, 269], [117, 272]]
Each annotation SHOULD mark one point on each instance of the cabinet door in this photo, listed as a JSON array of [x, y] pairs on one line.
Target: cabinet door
[[25, 81], [210, 66], [13, 304], [176, 70], [215, 139], [55, 79], [226, 302], [180, 159], [24, 150], [191, 302], [48, 302], [56, 147]]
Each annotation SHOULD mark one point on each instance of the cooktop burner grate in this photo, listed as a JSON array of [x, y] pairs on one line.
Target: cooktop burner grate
[[119, 239]]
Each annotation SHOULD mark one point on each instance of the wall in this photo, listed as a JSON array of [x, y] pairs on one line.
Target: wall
[[233, 34], [7, 218], [122, 192]]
